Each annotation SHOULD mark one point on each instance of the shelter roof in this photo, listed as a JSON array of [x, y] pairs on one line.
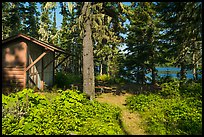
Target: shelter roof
[[38, 42]]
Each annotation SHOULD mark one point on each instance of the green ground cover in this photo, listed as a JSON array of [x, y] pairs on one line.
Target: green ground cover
[[174, 110], [70, 112]]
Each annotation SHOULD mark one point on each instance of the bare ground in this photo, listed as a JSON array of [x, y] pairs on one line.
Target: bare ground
[[131, 121]]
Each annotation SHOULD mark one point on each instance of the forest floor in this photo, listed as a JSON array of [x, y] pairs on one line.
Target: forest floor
[[131, 121]]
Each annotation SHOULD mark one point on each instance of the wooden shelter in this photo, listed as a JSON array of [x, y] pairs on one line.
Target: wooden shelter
[[28, 62]]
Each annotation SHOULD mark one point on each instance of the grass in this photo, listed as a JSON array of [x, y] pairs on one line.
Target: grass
[[131, 121]]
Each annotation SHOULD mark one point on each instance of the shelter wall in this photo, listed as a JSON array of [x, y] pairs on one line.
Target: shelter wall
[[14, 63], [36, 74], [49, 70]]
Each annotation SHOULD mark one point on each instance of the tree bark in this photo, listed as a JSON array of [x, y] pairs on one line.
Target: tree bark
[[101, 69], [88, 64], [153, 67], [195, 75], [137, 75], [183, 71], [153, 75], [108, 66]]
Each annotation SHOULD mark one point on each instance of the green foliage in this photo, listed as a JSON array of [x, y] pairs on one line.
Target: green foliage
[[110, 80], [104, 78], [200, 70], [119, 80], [64, 80], [165, 79], [142, 41], [167, 112], [183, 28], [170, 89], [69, 38], [192, 89], [68, 113]]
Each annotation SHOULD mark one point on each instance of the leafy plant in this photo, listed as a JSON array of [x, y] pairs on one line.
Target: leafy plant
[[110, 80], [170, 89], [169, 111], [192, 89], [103, 77], [70, 112], [64, 80]]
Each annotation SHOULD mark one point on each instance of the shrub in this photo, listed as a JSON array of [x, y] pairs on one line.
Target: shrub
[[170, 89], [104, 78], [69, 113], [110, 80], [166, 79], [192, 89], [64, 80], [169, 111]]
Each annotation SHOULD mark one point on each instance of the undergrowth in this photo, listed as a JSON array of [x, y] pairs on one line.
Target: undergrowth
[[70, 112], [174, 110]]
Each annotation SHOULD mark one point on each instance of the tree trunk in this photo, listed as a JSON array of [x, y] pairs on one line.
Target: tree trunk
[[153, 76], [137, 75], [108, 66], [183, 71], [101, 69], [153, 67], [88, 64], [104, 70], [195, 75], [79, 65]]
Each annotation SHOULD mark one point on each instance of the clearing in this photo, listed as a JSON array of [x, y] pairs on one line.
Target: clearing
[[131, 121]]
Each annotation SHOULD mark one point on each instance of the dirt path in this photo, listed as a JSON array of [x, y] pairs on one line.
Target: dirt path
[[130, 121]]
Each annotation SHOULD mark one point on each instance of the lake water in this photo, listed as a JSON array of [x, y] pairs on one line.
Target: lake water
[[172, 72]]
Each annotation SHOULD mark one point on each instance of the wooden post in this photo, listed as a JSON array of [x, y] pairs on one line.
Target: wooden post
[[53, 66], [42, 84], [25, 76], [42, 75]]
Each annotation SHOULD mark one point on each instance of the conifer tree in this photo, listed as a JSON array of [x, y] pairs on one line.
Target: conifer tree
[[11, 18], [183, 33], [6, 29], [32, 20], [142, 41], [45, 23]]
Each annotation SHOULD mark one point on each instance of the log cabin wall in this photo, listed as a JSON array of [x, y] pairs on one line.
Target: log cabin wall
[[14, 63]]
